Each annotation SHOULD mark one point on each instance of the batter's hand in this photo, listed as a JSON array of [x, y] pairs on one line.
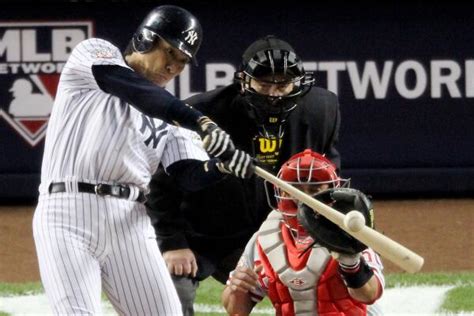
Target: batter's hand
[[181, 262], [215, 140], [244, 279], [240, 164]]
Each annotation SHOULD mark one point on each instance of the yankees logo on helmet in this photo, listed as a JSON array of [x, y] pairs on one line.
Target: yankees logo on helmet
[[191, 37]]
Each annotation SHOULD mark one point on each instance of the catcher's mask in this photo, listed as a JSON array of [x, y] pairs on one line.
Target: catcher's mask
[[307, 170], [271, 63], [175, 25]]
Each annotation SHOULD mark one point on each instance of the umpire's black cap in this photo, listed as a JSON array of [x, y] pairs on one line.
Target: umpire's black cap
[[269, 42], [269, 56]]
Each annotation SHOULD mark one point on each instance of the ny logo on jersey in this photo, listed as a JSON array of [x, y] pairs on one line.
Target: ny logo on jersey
[[191, 37], [156, 133]]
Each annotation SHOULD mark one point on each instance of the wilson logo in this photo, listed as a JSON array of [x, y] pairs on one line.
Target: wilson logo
[[269, 145]]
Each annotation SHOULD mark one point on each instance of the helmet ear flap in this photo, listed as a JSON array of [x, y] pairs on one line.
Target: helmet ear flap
[[143, 41]]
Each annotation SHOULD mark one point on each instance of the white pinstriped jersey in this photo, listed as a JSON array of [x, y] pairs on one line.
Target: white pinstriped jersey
[[111, 141]]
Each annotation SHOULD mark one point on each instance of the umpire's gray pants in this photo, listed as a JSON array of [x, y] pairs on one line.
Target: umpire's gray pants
[[186, 288]]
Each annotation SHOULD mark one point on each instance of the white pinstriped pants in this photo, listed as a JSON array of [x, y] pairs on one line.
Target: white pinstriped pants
[[87, 243]]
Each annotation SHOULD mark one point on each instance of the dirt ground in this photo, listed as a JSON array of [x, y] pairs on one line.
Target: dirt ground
[[441, 231]]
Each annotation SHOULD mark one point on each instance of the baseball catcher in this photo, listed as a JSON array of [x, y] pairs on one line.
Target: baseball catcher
[[303, 262]]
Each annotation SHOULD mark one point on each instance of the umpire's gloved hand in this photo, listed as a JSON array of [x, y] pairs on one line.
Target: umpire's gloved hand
[[239, 164], [215, 140]]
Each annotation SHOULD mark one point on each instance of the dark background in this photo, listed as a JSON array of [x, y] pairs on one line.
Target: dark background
[[390, 147]]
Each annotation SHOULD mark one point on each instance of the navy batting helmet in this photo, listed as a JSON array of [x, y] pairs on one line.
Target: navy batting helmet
[[175, 25]]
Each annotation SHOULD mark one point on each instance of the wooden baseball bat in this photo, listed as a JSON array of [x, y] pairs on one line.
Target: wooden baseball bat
[[386, 247]]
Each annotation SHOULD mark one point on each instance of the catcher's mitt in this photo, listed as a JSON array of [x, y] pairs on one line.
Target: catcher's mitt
[[328, 234]]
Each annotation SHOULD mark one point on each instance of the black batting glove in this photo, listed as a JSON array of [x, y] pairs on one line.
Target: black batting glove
[[240, 164], [215, 140]]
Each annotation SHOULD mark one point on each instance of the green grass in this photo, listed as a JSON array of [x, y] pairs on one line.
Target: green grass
[[10, 289], [458, 299], [209, 292], [405, 279]]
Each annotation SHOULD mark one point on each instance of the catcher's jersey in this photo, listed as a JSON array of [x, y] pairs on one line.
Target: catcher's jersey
[[251, 258], [94, 136]]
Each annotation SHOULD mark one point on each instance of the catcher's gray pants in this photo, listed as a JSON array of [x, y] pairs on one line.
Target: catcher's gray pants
[[186, 288]]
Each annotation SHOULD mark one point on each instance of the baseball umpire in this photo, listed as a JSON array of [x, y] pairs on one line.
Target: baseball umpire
[[111, 126], [271, 111]]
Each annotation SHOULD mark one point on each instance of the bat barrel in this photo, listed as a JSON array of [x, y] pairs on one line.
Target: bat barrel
[[386, 247]]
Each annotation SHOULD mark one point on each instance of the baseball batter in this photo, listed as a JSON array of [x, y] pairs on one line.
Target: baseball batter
[[108, 132]]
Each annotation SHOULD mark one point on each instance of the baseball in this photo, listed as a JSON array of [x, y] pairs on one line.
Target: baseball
[[354, 221]]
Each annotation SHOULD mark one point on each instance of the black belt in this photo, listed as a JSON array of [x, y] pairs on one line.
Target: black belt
[[116, 190]]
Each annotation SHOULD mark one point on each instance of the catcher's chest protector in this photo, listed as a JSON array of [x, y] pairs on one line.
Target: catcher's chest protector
[[306, 285]]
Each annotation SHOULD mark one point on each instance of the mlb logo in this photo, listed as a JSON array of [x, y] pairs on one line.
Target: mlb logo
[[32, 55]]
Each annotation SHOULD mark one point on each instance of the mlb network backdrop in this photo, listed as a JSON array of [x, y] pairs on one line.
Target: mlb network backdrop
[[404, 76], [32, 57]]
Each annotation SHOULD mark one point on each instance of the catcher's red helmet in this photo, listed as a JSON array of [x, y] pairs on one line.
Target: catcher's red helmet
[[305, 168]]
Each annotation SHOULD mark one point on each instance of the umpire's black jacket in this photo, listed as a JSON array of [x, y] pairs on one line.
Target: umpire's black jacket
[[222, 218]]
